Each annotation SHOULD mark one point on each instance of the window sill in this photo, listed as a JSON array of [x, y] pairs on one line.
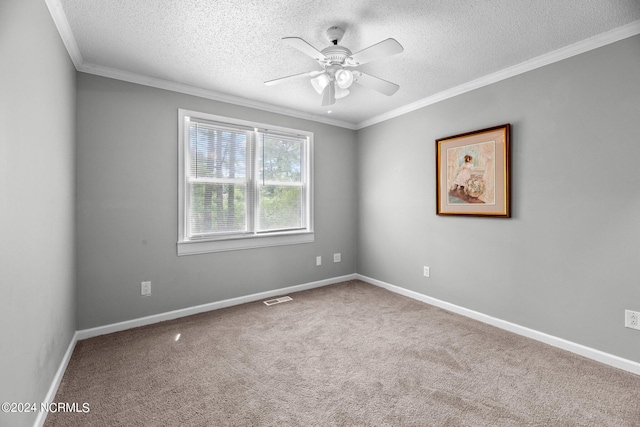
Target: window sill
[[194, 247]]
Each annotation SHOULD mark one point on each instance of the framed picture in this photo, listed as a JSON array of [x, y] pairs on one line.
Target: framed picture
[[472, 173]]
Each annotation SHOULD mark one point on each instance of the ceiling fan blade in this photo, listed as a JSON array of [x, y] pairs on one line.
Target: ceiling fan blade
[[305, 48], [375, 83], [329, 95], [385, 48], [292, 77]]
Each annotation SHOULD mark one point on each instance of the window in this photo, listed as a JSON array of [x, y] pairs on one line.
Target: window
[[241, 184]]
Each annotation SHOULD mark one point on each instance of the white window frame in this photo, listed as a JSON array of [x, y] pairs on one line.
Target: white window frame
[[254, 239]]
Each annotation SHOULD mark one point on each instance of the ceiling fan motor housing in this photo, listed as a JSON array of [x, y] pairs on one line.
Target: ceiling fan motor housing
[[336, 54]]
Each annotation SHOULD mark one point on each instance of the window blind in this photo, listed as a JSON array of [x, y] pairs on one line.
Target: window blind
[[241, 181]]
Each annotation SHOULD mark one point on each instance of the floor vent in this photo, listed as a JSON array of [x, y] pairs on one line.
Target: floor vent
[[277, 300]]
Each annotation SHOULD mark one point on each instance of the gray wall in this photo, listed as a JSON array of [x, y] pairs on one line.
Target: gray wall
[[37, 125], [566, 263], [562, 265], [127, 208]]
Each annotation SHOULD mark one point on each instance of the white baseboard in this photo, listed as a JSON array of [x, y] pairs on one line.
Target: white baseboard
[[597, 355], [57, 379], [148, 320], [170, 315], [588, 352]]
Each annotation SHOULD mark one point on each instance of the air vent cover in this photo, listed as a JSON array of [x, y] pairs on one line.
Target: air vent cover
[[277, 300]]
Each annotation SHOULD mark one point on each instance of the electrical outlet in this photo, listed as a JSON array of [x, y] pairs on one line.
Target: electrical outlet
[[336, 258], [426, 271], [318, 260], [632, 319], [145, 289]]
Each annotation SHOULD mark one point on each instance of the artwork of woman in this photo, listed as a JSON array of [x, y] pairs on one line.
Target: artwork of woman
[[464, 174], [472, 173]]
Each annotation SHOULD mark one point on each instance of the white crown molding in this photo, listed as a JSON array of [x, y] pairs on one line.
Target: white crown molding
[[608, 37], [140, 79], [577, 48], [62, 24]]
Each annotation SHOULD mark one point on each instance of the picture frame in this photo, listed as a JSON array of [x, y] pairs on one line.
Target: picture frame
[[473, 175]]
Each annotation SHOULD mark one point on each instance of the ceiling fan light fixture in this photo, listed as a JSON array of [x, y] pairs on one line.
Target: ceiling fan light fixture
[[320, 82], [340, 92], [334, 80], [344, 78]]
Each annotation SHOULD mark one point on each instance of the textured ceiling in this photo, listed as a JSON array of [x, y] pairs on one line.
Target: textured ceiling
[[228, 48]]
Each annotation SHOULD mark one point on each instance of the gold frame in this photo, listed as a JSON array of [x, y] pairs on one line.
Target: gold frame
[[473, 175]]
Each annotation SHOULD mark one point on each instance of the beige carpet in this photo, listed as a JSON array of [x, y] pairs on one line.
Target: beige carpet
[[350, 354]]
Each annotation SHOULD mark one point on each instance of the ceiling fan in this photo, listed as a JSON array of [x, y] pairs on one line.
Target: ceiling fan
[[335, 78]]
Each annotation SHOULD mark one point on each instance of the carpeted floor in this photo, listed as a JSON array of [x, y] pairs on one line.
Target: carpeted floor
[[349, 354]]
